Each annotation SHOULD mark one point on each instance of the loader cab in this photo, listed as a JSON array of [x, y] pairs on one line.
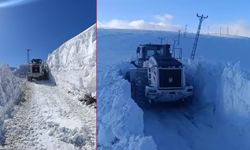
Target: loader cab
[[36, 66], [158, 76], [36, 61], [144, 52]]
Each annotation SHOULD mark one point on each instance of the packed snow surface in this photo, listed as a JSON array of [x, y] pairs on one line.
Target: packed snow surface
[[217, 119], [55, 120]]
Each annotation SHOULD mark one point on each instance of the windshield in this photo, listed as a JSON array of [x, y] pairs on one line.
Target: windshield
[[36, 61], [150, 51]]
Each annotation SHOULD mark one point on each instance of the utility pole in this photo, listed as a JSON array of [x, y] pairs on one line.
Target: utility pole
[[185, 32], [28, 56], [201, 19], [179, 37], [220, 31], [174, 45]]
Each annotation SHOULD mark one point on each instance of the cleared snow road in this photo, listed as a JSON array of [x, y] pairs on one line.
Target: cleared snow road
[[180, 128], [51, 118]]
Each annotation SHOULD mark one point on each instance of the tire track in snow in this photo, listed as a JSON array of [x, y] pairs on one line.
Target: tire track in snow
[[190, 129], [51, 119]]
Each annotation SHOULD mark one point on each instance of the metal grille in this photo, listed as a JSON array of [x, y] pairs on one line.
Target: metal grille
[[169, 78], [35, 69]]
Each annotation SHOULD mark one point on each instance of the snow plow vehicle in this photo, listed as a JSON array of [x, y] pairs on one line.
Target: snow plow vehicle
[[38, 70], [158, 76]]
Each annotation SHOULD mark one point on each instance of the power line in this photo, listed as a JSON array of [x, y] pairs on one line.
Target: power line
[[179, 37], [185, 31]]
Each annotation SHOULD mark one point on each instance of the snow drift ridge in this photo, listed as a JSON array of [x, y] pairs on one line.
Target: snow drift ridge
[[226, 87]]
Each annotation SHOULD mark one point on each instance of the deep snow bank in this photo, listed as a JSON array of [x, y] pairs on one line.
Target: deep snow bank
[[224, 86], [120, 120], [217, 119], [21, 71], [10, 93], [73, 64], [221, 104]]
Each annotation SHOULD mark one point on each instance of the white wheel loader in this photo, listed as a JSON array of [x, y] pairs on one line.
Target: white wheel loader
[[158, 76], [38, 70]]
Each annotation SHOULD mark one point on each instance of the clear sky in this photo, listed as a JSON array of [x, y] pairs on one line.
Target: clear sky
[[171, 14], [41, 25]]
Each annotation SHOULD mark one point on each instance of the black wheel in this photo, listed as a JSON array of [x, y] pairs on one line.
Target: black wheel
[[127, 76], [46, 75], [140, 98], [133, 90], [138, 88]]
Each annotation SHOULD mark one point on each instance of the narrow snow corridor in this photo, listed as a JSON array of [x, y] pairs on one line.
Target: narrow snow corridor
[[183, 128], [50, 119]]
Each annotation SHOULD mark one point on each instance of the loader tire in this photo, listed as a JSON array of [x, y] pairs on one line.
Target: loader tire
[[132, 90], [46, 75], [141, 99], [138, 94]]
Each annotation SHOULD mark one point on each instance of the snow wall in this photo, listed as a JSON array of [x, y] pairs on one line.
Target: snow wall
[[10, 94], [225, 87], [221, 90], [120, 120], [73, 64], [21, 71]]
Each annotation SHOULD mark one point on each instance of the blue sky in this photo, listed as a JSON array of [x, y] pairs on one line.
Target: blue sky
[[41, 25], [174, 14]]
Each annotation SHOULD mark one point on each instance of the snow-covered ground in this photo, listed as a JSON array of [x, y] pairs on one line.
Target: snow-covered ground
[[50, 118], [51, 115], [217, 119]]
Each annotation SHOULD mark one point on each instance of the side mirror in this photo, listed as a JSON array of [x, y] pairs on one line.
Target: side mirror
[[132, 62], [138, 50]]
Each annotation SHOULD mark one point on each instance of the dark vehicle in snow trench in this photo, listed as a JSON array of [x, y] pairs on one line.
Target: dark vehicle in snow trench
[[158, 76], [38, 70]]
